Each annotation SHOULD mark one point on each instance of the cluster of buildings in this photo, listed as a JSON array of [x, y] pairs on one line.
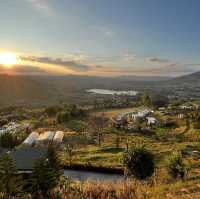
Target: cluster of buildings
[[34, 137], [129, 118], [26, 155], [14, 127], [44, 138]]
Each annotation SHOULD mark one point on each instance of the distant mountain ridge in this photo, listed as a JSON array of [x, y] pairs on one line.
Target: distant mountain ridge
[[50, 89], [188, 78]]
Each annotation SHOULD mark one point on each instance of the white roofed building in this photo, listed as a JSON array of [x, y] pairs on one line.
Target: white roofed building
[[151, 121], [31, 139], [46, 136], [58, 137]]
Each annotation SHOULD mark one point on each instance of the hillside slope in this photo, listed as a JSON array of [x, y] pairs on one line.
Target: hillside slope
[[19, 89]]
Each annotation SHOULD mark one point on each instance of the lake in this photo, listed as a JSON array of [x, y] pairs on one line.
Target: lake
[[90, 175], [112, 92]]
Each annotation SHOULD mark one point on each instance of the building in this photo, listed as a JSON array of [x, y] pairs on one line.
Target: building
[[31, 139], [58, 137], [47, 136], [25, 158], [151, 121]]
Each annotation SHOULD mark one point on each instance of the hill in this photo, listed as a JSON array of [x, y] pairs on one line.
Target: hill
[[20, 89], [51, 89]]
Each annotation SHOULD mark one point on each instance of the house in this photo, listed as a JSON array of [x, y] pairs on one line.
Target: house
[[31, 139], [47, 136], [181, 116], [14, 127], [186, 107], [26, 157], [58, 137], [151, 121], [117, 122]]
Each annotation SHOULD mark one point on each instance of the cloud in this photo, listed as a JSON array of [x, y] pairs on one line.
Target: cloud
[[42, 6], [129, 57], [108, 33], [175, 69], [28, 69], [73, 65], [23, 69], [157, 60], [114, 59], [105, 31]]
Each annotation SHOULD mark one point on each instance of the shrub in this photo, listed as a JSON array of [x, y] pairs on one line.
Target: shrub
[[52, 110], [63, 116], [78, 126], [176, 167], [139, 162], [11, 140], [196, 125]]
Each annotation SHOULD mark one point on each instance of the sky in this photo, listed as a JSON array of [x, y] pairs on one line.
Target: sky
[[101, 37]]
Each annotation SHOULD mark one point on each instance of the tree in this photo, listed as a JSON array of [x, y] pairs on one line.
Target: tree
[[52, 110], [139, 162], [77, 125], [43, 179], [98, 124], [10, 182], [187, 125], [63, 116], [146, 100], [117, 140], [176, 167], [52, 155], [10, 140], [117, 137]]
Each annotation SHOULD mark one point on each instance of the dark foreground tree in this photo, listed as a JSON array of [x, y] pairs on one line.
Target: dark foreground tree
[[43, 179], [9, 140], [176, 166], [139, 162], [10, 181], [53, 156]]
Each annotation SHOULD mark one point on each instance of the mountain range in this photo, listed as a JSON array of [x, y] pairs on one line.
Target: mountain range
[[51, 89]]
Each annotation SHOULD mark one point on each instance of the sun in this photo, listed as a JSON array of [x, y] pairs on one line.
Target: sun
[[8, 59]]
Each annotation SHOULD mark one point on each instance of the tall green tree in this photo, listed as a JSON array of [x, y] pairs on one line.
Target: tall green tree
[[43, 179], [10, 181], [146, 100], [139, 162], [53, 156]]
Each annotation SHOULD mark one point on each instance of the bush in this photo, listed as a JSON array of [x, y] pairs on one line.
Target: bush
[[176, 167], [196, 125], [139, 162], [63, 116], [78, 126], [11, 140], [52, 110]]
